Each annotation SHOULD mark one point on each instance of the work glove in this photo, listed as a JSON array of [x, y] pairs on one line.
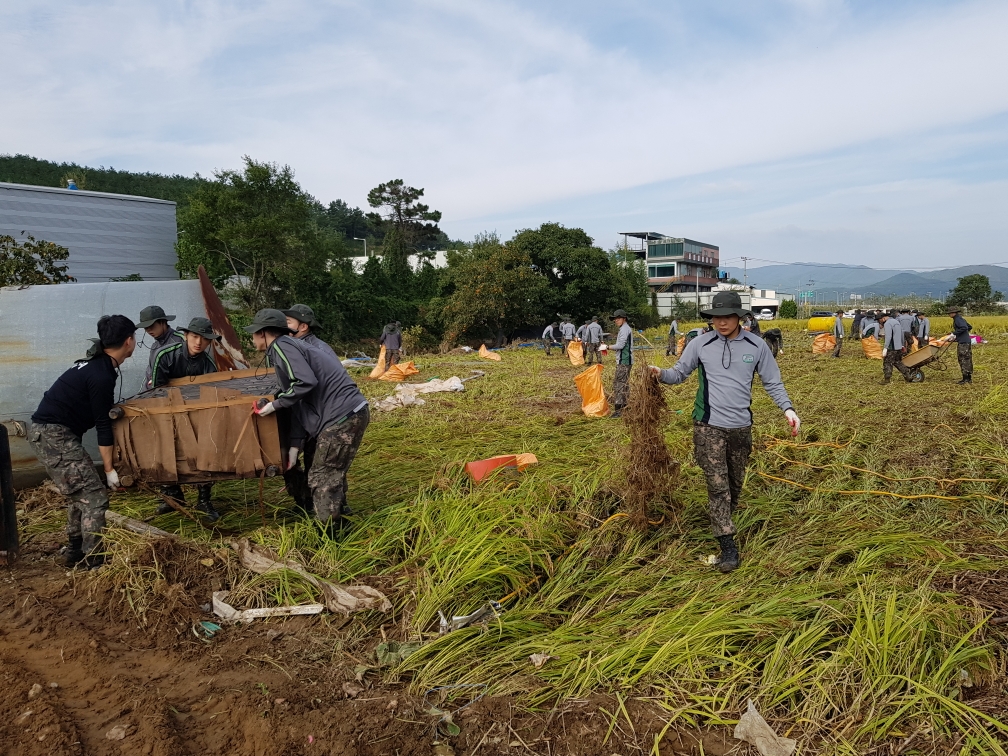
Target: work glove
[[263, 409], [792, 419], [884, 353], [655, 370], [292, 457], [112, 479]]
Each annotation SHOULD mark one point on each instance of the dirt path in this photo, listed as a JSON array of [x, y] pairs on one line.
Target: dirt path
[[262, 689]]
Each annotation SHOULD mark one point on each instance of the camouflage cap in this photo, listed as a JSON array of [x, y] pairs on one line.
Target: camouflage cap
[[303, 314], [201, 327], [268, 318], [151, 315]]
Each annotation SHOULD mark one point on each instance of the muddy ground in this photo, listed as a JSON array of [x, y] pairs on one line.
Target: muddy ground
[[106, 685]]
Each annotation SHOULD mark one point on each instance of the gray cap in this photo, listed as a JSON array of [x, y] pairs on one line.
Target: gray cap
[[619, 314], [723, 304], [151, 315], [303, 314], [201, 327], [268, 318]]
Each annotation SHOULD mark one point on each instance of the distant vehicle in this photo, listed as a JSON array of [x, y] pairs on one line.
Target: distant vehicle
[[823, 314], [765, 314]]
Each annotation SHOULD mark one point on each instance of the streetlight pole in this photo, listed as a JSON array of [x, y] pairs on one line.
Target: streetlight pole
[[745, 271], [365, 244]]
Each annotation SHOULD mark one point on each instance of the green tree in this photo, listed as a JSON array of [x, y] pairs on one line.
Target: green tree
[[256, 228], [788, 309], [974, 293], [494, 287], [32, 263], [408, 226]]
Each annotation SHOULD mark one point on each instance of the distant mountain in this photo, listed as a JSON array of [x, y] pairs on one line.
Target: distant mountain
[[850, 279]]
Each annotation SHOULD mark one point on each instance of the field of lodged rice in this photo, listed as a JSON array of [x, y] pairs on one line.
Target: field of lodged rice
[[866, 613]]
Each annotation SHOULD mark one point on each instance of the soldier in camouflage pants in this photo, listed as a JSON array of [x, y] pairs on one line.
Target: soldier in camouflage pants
[[591, 354], [722, 453], [73, 472], [621, 386], [336, 448]]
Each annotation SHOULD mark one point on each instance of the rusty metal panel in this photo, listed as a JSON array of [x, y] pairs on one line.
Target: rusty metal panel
[[108, 235], [43, 329]]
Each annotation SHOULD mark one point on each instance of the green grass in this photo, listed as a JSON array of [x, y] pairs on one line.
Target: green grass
[[840, 624]]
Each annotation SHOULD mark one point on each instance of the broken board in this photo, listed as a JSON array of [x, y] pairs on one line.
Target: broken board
[[200, 430]]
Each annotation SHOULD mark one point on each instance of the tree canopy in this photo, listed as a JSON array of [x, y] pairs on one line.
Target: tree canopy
[[974, 292], [32, 262]]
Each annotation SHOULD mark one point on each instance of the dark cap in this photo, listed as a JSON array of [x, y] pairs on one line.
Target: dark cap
[[594, 318], [839, 312], [201, 327], [303, 314], [268, 319], [953, 309], [725, 303], [151, 315], [619, 314]]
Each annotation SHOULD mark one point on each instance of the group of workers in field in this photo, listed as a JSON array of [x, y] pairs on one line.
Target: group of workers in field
[[328, 415], [899, 330], [562, 333]]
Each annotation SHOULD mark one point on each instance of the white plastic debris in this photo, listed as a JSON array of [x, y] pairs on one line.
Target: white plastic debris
[[538, 660], [490, 609], [753, 729], [408, 394]]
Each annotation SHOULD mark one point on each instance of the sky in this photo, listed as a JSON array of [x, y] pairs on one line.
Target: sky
[[782, 130]]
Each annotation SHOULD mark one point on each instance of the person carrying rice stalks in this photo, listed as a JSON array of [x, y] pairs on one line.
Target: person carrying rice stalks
[[623, 349], [722, 419]]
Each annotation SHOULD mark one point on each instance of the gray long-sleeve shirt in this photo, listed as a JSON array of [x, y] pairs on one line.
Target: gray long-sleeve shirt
[[838, 328], [726, 369], [906, 322], [923, 328], [674, 328], [567, 329], [548, 333], [624, 345], [579, 333], [170, 336], [312, 340], [593, 333], [892, 332], [869, 327], [314, 386]]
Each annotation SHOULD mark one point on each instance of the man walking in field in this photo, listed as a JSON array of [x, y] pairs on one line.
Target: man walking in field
[[838, 332], [593, 337], [623, 349], [726, 360], [892, 347], [549, 336], [673, 338], [391, 339], [923, 330], [856, 325], [567, 330], [869, 326], [964, 345]]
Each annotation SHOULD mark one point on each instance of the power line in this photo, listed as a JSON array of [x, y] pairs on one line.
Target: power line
[[852, 267]]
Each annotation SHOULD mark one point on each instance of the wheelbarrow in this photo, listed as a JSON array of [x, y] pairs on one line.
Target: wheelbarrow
[[929, 355]]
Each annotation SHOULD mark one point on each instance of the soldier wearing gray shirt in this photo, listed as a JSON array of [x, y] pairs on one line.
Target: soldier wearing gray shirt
[[623, 348], [726, 361], [892, 347], [155, 322], [838, 332], [302, 322], [923, 330], [593, 337]]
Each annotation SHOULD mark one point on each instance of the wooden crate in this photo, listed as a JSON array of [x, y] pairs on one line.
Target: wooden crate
[[199, 430]]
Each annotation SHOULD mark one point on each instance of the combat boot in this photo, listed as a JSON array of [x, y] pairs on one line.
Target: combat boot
[[730, 558], [175, 494], [967, 378], [204, 506], [94, 560], [75, 552]]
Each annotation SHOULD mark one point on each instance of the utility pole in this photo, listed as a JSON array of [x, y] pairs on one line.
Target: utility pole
[[745, 271]]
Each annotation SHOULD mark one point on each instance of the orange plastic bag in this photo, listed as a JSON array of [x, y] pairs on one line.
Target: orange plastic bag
[[398, 372], [680, 344], [480, 469], [871, 348], [824, 343], [380, 367], [589, 385], [486, 354], [576, 353]]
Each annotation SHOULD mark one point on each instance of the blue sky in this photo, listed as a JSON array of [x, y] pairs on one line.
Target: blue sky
[[816, 130]]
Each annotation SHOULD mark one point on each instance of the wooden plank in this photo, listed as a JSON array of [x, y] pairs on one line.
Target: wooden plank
[[185, 437], [229, 375], [214, 433]]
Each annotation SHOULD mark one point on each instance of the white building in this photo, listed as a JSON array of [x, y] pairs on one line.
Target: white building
[[752, 298]]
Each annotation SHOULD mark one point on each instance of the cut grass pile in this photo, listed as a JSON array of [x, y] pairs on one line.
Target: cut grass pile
[[842, 623]]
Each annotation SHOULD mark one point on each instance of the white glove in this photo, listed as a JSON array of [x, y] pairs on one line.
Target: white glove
[[885, 352], [266, 409], [792, 419], [292, 457], [112, 478], [655, 370]]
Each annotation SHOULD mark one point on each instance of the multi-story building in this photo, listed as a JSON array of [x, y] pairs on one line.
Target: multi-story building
[[677, 265]]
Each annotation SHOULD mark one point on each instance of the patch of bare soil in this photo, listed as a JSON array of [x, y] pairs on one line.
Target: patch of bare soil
[[106, 685]]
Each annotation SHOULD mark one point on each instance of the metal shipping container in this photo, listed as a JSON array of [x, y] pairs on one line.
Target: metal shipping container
[[108, 235]]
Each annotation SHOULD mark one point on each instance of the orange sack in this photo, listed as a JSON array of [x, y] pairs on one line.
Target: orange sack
[[824, 343], [398, 372], [589, 385], [380, 367], [576, 353], [872, 349], [486, 354]]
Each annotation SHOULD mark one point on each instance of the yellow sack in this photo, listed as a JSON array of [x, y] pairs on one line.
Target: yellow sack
[[398, 372], [824, 343], [680, 345], [871, 348], [589, 385], [576, 353], [486, 354], [380, 367]]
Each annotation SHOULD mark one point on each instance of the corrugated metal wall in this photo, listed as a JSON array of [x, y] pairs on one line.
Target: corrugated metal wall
[[43, 329], [108, 235]]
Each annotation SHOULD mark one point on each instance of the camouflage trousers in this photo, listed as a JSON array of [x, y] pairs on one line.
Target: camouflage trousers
[[548, 344], [672, 344], [72, 470], [621, 386], [722, 454], [839, 344], [591, 353], [965, 354], [336, 448], [296, 478], [391, 357], [894, 359]]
